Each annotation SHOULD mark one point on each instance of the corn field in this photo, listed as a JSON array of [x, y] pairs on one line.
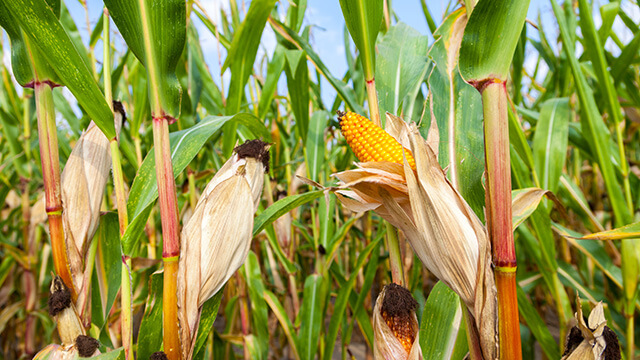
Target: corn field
[[466, 190]]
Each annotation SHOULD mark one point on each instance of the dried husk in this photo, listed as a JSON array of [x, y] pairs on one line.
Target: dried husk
[[58, 352], [216, 240], [444, 232], [596, 340], [386, 345], [83, 181]]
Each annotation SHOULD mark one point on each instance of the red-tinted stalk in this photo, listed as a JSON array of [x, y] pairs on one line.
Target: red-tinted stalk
[[170, 237], [49, 157], [498, 208]]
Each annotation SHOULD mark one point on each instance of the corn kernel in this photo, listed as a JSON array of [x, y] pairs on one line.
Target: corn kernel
[[370, 142]]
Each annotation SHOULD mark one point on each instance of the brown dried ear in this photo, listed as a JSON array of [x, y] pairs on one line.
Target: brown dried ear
[[158, 355], [398, 302], [60, 297], [118, 107], [86, 345], [256, 149], [612, 351]]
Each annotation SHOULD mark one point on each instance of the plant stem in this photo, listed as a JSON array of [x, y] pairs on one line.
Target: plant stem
[[170, 236], [372, 98], [395, 256], [498, 205], [126, 323], [49, 158], [473, 337]]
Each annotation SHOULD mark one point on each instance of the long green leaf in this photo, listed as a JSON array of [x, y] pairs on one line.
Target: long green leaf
[[44, 30], [440, 323], [490, 39], [537, 326], [150, 335], [207, 317], [108, 268], [630, 231], [363, 19], [315, 146], [155, 31], [400, 65], [311, 313], [550, 142], [281, 207], [298, 86], [244, 48], [456, 107], [346, 93], [592, 125], [285, 322]]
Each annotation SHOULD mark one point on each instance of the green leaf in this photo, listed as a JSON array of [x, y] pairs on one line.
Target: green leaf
[[150, 335], [537, 326], [298, 86], [315, 145], [490, 39], [278, 310], [20, 61], [346, 93], [44, 30], [344, 297], [440, 323], [281, 207], [401, 65], [311, 314], [550, 142], [117, 354], [108, 269], [274, 70], [244, 48], [593, 126], [185, 145], [595, 251], [457, 109], [630, 231], [155, 31], [208, 315], [525, 201], [240, 59], [363, 19], [259, 309]]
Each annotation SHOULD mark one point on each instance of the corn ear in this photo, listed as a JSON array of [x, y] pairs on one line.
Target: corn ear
[[395, 325], [370, 142], [216, 240]]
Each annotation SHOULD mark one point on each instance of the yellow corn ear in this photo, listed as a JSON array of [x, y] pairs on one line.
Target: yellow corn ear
[[370, 142]]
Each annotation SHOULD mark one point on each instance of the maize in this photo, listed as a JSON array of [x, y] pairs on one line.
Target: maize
[[402, 330], [370, 142]]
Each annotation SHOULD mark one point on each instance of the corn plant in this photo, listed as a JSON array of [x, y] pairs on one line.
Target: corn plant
[[469, 192]]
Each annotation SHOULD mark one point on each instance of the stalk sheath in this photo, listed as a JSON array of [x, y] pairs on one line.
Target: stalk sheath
[[49, 158], [498, 205], [170, 237]]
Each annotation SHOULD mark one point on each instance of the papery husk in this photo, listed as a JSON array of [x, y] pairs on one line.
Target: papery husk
[[385, 344], [444, 232], [216, 240], [594, 345], [83, 181], [58, 352]]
